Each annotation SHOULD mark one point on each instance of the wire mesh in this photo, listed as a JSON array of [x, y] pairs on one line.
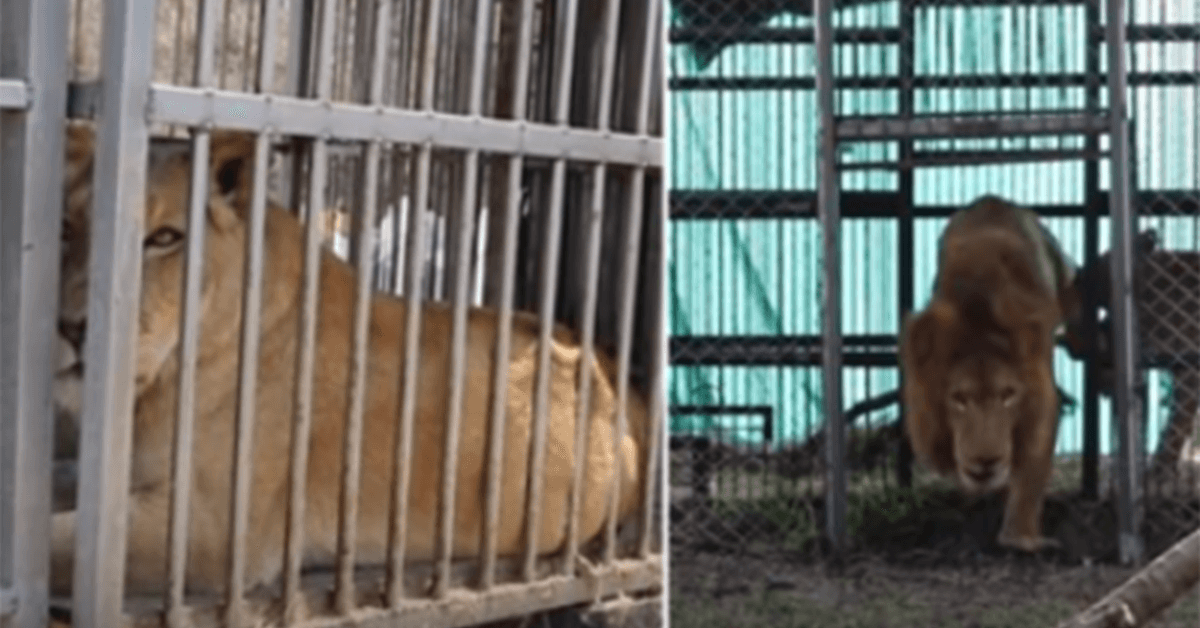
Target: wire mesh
[[937, 103]]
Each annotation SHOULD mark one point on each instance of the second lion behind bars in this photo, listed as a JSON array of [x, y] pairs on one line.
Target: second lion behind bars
[[216, 398]]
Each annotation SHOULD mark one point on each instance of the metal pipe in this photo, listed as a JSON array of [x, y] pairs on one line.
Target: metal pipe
[[181, 479], [298, 117], [512, 217], [412, 337], [549, 282], [1126, 394], [181, 471], [458, 340], [247, 384], [106, 426], [657, 393], [310, 288], [831, 354], [352, 452], [412, 341], [31, 191]]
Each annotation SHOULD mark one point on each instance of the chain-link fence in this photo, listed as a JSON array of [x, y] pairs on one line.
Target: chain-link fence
[[933, 104]]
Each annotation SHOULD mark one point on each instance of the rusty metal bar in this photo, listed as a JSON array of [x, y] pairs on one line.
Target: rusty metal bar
[[247, 384], [549, 281], [458, 340], [504, 321]]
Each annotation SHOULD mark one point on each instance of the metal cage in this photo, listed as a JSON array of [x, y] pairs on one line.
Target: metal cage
[[483, 153]]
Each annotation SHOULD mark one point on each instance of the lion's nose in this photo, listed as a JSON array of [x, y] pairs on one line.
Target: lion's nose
[[73, 332]]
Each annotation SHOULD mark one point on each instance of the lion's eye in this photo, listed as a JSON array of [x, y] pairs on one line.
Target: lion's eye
[[163, 237], [1008, 396], [959, 400]]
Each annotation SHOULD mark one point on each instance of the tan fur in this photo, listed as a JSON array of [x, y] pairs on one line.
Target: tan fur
[[979, 390], [217, 398]]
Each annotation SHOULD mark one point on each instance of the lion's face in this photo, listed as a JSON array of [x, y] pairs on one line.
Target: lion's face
[[163, 248], [984, 397]]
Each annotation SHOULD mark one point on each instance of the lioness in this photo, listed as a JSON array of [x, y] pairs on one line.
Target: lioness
[[216, 398], [979, 389]]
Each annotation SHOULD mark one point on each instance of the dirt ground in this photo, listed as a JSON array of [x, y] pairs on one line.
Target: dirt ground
[[711, 590]]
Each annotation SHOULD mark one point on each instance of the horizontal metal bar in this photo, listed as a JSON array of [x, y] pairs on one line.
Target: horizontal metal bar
[[961, 126], [510, 600], [964, 81], [14, 94], [312, 118], [974, 158], [744, 33], [767, 413], [1157, 33], [800, 204], [754, 34], [798, 350]]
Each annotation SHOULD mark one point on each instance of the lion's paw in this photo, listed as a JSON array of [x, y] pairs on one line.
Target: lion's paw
[[1032, 544]]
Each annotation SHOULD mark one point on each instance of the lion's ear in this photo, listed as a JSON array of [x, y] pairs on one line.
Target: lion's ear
[[232, 158]]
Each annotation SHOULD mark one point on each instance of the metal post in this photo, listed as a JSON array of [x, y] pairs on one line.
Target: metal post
[[31, 141], [831, 349], [1127, 396], [114, 278]]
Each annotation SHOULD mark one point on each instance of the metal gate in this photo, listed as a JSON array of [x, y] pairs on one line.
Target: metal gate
[[485, 153], [817, 149]]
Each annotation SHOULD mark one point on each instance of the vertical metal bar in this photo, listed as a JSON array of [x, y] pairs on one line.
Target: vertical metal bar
[[657, 393], [1127, 395], [352, 454], [302, 419], [412, 340], [549, 282], [1090, 482], [106, 428], [512, 216], [303, 400], [31, 182], [415, 266], [629, 275], [352, 451], [593, 225], [181, 471], [905, 220], [268, 24], [831, 348], [247, 384], [458, 340]]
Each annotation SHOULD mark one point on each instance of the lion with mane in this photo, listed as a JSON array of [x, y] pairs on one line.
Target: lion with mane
[[216, 398], [979, 393]]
